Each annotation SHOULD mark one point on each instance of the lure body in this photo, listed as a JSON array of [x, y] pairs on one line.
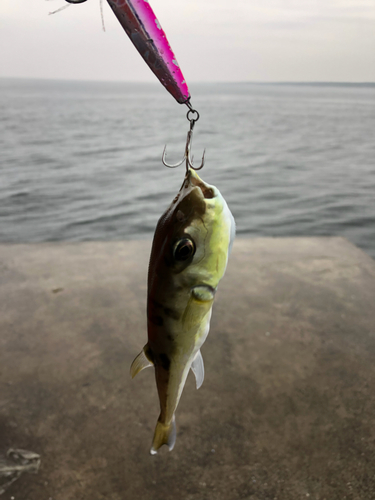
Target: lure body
[[144, 30], [189, 255]]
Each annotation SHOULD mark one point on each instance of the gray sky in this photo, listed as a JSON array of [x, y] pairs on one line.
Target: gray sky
[[214, 40]]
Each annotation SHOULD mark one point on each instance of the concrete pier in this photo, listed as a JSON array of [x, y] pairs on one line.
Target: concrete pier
[[287, 408]]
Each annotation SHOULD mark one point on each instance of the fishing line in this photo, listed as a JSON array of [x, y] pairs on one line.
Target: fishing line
[[58, 10], [71, 2], [102, 14]]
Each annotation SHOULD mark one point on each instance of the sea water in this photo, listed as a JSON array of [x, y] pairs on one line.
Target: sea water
[[82, 160]]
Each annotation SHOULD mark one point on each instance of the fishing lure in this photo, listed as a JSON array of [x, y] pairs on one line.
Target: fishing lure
[[144, 30]]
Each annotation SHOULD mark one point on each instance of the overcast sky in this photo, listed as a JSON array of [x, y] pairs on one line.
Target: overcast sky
[[214, 40]]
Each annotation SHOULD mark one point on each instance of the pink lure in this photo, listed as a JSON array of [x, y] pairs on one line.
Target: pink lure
[[144, 30]]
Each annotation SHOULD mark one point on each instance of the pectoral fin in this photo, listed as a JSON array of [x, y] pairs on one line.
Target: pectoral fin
[[143, 360], [198, 369], [203, 293]]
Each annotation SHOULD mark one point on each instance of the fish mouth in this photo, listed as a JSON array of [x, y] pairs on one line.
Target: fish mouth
[[207, 190]]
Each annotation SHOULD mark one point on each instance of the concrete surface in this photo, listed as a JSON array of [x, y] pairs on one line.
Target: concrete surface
[[287, 409]]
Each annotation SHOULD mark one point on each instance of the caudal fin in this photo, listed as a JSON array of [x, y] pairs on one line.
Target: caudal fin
[[164, 434]]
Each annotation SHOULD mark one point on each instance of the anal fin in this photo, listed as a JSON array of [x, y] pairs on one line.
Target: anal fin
[[142, 361], [197, 367]]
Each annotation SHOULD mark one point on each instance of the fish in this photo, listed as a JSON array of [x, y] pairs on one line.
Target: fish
[[189, 256]]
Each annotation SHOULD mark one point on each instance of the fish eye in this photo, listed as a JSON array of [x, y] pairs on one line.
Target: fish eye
[[184, 249]]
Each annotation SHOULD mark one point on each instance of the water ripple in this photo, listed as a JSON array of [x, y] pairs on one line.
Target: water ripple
[[81, 160]]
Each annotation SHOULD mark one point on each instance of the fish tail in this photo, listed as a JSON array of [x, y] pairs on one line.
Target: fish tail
[[164, 434]]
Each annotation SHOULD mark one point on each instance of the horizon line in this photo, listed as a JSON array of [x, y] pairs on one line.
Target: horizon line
[[208, 82]]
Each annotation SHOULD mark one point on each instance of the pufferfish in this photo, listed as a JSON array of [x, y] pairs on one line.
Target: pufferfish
[[189, 255]]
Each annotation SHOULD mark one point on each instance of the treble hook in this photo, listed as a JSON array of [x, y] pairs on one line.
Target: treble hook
[[187, 156]]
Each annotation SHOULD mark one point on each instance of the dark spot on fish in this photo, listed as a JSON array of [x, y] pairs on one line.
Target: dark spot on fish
[[171, 313], [170, 338], [149, 354], [156, 320], [57, 290], [165, 361], [156, 304]]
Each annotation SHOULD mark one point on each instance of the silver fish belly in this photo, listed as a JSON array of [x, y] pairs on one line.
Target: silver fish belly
[[189, 255]]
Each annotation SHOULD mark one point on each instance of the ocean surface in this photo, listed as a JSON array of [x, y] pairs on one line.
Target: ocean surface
[[82, 160]]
